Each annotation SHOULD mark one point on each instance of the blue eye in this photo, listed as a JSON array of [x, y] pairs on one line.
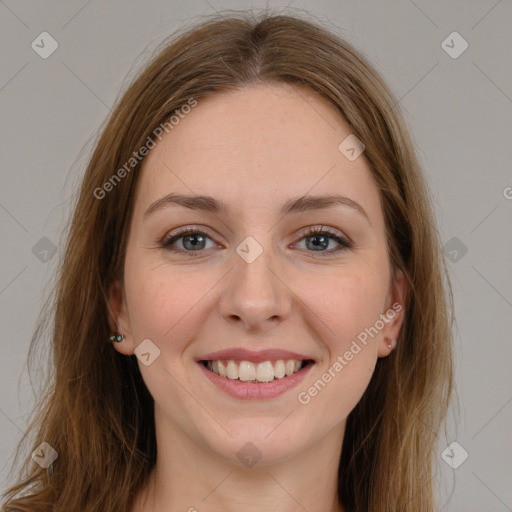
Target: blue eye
[[320, 238], [194, 240]]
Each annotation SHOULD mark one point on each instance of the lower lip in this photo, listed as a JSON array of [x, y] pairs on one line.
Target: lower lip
[[247, 390]]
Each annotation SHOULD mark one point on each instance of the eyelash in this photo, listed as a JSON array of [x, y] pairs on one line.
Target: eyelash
[[344, 244]]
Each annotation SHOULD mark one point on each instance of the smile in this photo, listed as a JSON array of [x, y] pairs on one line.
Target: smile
[[264, 380], [247, 371]]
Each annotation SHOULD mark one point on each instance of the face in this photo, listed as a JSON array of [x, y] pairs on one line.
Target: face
[[254, 277]]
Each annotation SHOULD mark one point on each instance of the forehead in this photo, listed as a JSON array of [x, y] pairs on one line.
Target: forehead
[[254, 147]]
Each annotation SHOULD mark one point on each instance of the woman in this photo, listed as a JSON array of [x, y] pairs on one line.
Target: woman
[[251, 311]]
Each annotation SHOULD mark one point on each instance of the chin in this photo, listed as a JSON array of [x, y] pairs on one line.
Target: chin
[[259, 445]]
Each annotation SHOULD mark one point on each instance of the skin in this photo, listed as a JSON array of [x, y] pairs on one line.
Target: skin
[[253, 149]]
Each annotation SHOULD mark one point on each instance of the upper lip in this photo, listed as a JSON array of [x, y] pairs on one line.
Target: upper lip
[[255, 356]]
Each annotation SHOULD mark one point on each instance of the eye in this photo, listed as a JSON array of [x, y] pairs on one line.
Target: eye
[[193, 240], [318, 238]]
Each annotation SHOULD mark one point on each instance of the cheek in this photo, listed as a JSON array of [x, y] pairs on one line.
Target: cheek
[[342, 309], [162, 302], [345, 303]]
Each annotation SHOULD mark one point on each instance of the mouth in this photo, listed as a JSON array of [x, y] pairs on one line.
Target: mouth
[[256, 372]]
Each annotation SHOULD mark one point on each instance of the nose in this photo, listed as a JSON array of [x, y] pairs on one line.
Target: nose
[[255, 295]]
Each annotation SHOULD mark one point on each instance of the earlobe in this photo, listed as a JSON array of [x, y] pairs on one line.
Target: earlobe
[[392, 344], [118, 320], [386, 347], [394, 315]]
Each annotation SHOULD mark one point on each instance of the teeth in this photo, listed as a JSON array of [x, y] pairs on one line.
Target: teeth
[[290, 366], [232, 370], [279, 369], [265, 372], [221, 368], [248, 371]]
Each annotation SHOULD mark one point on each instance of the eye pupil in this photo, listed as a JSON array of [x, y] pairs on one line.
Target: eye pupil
[[199, 239], [319, 241]]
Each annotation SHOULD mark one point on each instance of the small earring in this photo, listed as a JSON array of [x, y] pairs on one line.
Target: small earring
[[116, 338], [392, 344]]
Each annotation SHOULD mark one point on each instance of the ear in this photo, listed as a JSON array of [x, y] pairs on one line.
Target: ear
[[119, 320], [393, 314]]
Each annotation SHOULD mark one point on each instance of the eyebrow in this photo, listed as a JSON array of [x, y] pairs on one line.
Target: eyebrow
[[294, 205]]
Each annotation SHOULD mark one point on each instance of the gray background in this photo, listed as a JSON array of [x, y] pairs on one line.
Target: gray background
[[459, 112]]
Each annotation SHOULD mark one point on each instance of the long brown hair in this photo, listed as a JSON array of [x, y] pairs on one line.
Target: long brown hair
[[96, 411]]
